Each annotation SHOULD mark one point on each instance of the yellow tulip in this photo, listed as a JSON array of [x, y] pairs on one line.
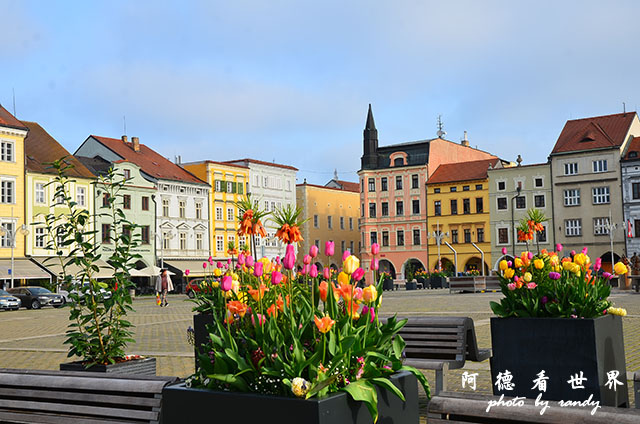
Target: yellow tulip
[[369, 294], [503, 265], [350, 264], [217, 272], [509, 272], [580, 259], [620, 268], [538, 263], [527, 277], [554, 260], [215, 284], [567, 266], [517, 263], [343, 278]]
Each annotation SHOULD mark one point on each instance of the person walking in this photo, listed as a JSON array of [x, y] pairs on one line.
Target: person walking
[[163, 285]]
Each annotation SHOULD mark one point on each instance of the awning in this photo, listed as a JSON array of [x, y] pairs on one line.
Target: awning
[[193, 265], [150, 271], [23, 269], [52, 264]]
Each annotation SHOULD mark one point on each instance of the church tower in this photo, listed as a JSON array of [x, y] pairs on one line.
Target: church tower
[[370, 141]]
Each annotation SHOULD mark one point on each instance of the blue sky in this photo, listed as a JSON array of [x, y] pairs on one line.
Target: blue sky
[[290, 81]]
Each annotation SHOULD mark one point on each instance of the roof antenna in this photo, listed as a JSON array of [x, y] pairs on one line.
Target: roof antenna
[[14, 102], [624, 109], [440, 132], [124, 122]]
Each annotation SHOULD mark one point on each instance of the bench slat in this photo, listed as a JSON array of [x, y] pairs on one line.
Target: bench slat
[[78, 409], [429, 330], [17, 417], [451, 351], [437, 343], [417, 336], [40, 393], [84, 383]]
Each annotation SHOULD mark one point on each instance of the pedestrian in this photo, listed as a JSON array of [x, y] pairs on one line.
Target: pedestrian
[[163, 285]]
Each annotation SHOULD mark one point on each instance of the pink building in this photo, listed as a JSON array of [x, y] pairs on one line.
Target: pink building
[[393, 196]]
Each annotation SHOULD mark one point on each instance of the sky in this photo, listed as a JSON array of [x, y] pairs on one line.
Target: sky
[[291, 81]]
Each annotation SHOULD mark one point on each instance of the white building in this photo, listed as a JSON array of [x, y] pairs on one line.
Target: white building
[[630, 165], [273, 186]]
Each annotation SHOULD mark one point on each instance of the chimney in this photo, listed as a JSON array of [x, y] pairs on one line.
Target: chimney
[[124, 139], [135, 144], [465, 141], [179, 159]]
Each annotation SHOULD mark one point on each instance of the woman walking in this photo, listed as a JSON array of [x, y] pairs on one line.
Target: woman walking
[[163, 285]]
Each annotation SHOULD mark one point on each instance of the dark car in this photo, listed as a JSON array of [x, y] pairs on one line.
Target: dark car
[[9, 302], [33, 297]]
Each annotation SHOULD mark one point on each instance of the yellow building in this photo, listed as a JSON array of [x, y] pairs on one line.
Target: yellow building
[[332, 215], [229, 184], [458, 209]]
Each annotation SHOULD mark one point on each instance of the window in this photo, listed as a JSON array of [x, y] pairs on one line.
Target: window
[[198, 210], [240, 187], [372, 210], [572, 227], [351, 246], [399, 208], [415, 206], [350, 223], [502, 185], [40, 195], [600, 195], [145, 203], [398, 162], [7, 151], [374, 238], [106, 233], [59, 200], [479, 205], [600, 226], [182, 208], [199, 243], [40, 235], [454, 236], [265, 182], [571, 168], [266, 206], [465, 188], [453, 189], [230, 214], [635, 190], [537, 182], [467, 235], [414, 181], [9, 228], [372, 184], [480, 234], [636, 227], [362, 185], [343, 245], [330, 223], [229, 187], [521, 202], [166, 241], [572, 197], [478, 186], [183, 241], [502, 203], [398, 182], [538, 200], [437, 208], [126, 231], [600, 165], [362, 209], [232, 239], [127, 173], [219, 213], [342, 222], [146, 234], [316, 243], [383, 184], [503, 235], [220, 243], [542, 235], [466, 206], [400, 238], [7, 191], [454, 206], [385, 238], [165, 207], [384, 210], [436, 190], [219, 185], [315, 221]]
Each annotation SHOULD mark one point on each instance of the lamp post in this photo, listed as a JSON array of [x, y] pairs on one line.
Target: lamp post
[[438, 236], [513, 223], [161, 239], [11, 234]]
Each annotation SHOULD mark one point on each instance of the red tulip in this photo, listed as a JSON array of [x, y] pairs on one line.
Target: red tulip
[[329, 248], [186, 272], [358, 274]]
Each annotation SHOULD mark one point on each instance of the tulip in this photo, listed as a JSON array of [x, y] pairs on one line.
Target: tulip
[[572, 253], [210, 260], [620, 268], [249, 261], [276, 278], [544, 300], [313, 251], [289, 257], [509, 272], [326, 273], [229, 261], [204, 265], [217, 272], [345, 255], [527, 277], [555, 275], [530, 255], [358, 274], [306, 259], [503, 265], [227, 283], [329, 248], [504, 250], [585, 249], [241, 258], [258, 269], [323, 288], [278, 260], [607, 275], [343, 278], [375, 264], [313, 271], [375, 249], [261, 319], [538, 263], [558, 247], [369, 311], [324, 324], [237, 307], [186, 272], [370, 294], [219, 264], [511, 286], [350, 264], [357, 293], [304, 270], [532, 286], [598, 264]]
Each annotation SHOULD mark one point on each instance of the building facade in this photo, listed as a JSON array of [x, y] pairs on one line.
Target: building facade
[[585, 168], [393, 209], [513, 191], [332, 216], [228, 184], [630, 167], [274, 186], [458, 214]]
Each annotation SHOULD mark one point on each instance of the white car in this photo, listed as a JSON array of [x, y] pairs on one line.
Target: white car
[[103, 294], [9, 302]]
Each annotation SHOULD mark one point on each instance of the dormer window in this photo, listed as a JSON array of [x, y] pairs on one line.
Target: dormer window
[[398, 162], [633, 155]]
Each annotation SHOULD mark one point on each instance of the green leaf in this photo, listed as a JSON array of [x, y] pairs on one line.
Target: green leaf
[[364, 391], [233, 380], [398, 346], [319, 385], [387, 384]]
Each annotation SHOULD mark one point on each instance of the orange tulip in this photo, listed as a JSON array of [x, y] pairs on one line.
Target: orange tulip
[[324, 289], [272, 311], [258, 294], [280, 303], [237, 307], [324, 324], [345, 291]]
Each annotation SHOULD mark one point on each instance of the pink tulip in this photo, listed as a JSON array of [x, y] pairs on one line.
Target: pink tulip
[[358, 274], [375, 249], [345, 255], [304, 270], [258, 269], [530, 255], [326, 273], [219, 264], [375, 264], [204, 265], [289, 257], [367, 310], [558, 247], [313, 251], [306, 259], [504, 250], [261, 319], [329, 248], [511, 286], [186, 272], [229, 261], [357, 293], [598, 264], [276, 278], [227, 283], [241, 259], [249, 261], [584, 250], [572, 253], [210, 260], [278, 260], [313, 271]]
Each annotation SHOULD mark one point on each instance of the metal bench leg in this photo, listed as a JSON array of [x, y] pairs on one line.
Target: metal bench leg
[[636, 389], [441, 380]]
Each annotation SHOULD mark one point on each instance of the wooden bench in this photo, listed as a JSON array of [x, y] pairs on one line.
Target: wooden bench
[[492, 283], [441, 343], [471, 284], [469, 407], [70, 397]]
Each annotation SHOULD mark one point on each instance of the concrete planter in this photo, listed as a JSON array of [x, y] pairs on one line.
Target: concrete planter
[[144, 366], [562, 347]]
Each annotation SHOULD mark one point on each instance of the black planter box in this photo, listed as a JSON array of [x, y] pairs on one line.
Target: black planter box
[[436, 281], [144, 366], [423, 281], [411, 285], [200, 333], [562, 347], [387, 284], [184, 405]]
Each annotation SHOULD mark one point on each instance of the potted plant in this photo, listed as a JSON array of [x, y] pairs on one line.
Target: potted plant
[[98, 332], [559, 305], [312, 347], [387, 281], [422, 277], [437, 279]]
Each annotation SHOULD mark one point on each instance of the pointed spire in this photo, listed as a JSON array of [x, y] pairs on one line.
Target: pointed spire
[[371, 125], [335, 174]]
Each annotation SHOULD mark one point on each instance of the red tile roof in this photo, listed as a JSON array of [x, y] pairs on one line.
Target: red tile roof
[[462, 171], [325, 187], [349, 186], [41, 149], [10, 121], [634, 147], [260, 162], [149, 161], [598, 132]]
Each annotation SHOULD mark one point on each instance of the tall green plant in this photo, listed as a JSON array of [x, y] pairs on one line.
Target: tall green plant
[[98, 332]]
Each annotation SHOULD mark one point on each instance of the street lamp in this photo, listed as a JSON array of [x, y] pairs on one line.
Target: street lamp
[[438, 236], [160, 237], [513, 224], [11, 238]]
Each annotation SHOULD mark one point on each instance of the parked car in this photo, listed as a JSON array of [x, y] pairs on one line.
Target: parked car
[[34, 297], [103, 294], [9, 302], [194, 287]]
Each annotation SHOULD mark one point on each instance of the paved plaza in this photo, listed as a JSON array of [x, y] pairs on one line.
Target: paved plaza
[[34, 339]]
